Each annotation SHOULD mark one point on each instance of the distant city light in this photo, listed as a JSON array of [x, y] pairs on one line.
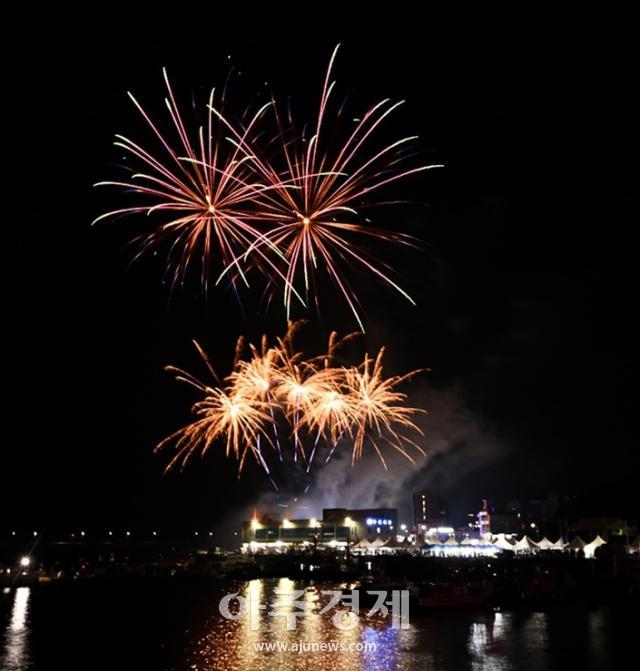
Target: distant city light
[[441, 530], [25, 561]]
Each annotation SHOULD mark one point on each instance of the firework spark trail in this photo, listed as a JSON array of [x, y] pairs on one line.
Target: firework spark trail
[[314, 205], [316, 398]]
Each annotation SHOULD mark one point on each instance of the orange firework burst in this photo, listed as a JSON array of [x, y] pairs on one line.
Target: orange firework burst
[[318, 401], [256, 377], [315, 206], [222, 415], [378, 408]]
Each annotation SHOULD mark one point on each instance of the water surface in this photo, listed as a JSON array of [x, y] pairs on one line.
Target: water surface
[[166, 625]]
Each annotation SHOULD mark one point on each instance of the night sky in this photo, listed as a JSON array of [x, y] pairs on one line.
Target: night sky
[[525, 288]]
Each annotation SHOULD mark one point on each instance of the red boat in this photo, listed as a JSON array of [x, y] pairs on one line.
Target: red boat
[[443, 595]]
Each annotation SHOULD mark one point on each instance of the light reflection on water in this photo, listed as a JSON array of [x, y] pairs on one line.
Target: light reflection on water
[[372, 644], [15, 654], [176, 626], [229, 644]]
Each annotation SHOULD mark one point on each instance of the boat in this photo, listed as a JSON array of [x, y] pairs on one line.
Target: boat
[[445, 595]]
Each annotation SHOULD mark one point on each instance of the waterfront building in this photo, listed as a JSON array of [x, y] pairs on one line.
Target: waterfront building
[[337, 528]]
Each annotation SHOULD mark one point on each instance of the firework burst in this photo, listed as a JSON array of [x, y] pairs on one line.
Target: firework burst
[[275, 398], [379, 410], [221, 416], [288, 203], [314, 209], [199, 191]]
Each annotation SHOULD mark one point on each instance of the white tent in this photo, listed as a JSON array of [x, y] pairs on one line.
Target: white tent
[[576, 544], [469, 541], [377, 543], [451, 541], [525, 544], [590, 548], [502, 543], [545, 544], [362, 544], [559, 544]]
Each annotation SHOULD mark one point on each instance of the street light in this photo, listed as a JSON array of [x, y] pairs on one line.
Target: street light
[[25, 561]]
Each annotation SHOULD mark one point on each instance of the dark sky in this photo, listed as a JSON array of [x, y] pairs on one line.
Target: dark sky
[[526, 298]]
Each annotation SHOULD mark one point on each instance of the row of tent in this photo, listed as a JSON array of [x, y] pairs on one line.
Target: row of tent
[[525, 544]]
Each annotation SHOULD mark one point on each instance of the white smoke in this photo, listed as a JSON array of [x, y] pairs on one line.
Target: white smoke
[[457, 440]]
